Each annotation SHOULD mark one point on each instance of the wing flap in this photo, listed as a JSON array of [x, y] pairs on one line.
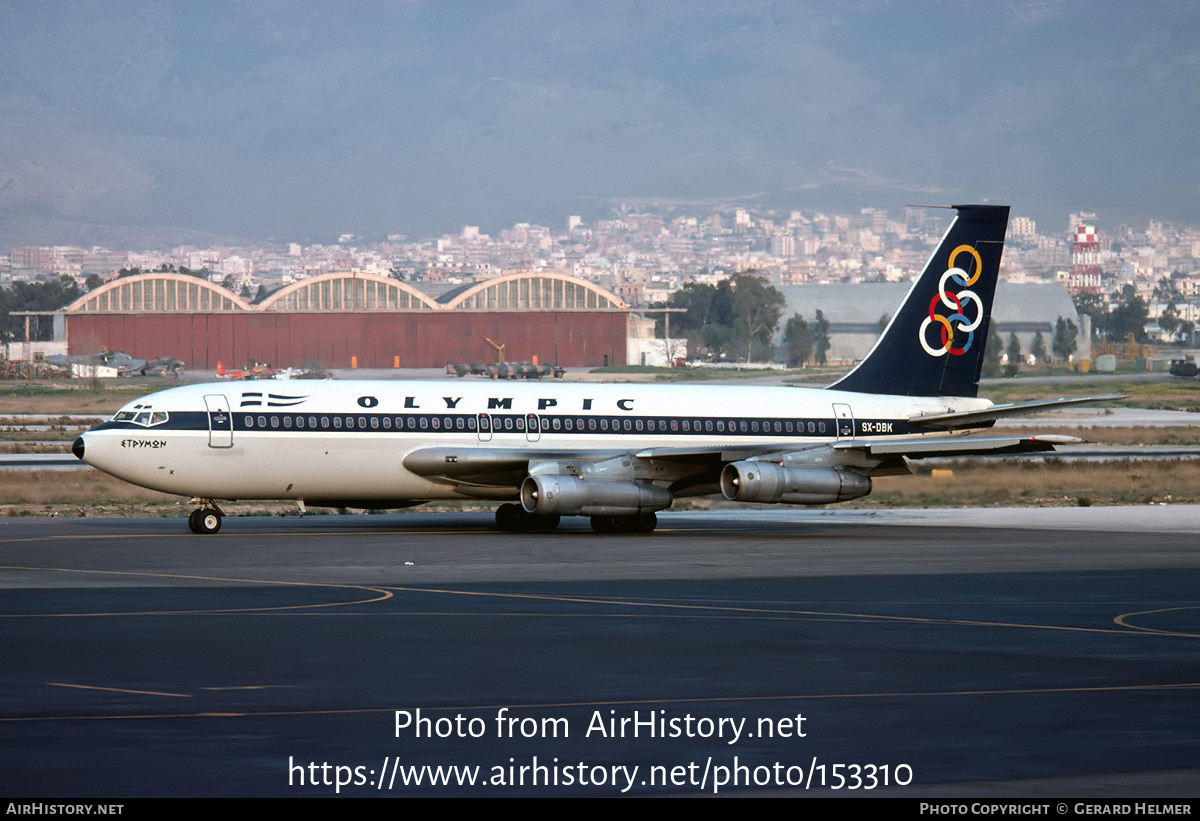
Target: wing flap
[[947, 446], [708, 455]]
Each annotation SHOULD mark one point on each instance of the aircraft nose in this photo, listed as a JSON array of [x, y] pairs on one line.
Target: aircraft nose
[[77, 448]]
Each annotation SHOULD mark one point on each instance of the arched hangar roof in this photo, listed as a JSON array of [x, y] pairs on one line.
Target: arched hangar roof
[[163, 292], [159, 292], [348, 292], [541, 291]]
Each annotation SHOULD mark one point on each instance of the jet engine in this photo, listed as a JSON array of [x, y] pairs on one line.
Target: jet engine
[[569, 495], [769, 482]]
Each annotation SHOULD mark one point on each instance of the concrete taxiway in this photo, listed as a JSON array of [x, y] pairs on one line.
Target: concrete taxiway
[[968, 652]]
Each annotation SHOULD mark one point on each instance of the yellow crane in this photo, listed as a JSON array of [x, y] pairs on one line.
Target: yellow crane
[[499, 350]]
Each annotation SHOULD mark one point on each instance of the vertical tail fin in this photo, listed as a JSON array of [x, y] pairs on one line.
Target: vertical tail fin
[[934, 344]]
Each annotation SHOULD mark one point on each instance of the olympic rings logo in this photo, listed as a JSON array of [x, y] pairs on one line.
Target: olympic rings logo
[[955, 303]]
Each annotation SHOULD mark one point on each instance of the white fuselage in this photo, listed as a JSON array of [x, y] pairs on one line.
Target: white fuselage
[[349, 439]]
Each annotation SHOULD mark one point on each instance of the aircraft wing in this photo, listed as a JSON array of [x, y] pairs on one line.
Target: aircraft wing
[[964, 419], [489, 473], [455, 464], [922, 448]]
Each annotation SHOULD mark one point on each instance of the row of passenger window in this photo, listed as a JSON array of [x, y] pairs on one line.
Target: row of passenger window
[[573, 424]]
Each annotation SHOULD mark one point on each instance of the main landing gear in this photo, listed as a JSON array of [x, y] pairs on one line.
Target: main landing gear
[[515, 519], [205, 519], [633, 523]]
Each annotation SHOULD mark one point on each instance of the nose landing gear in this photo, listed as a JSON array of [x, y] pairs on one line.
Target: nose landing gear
[[205, 519]]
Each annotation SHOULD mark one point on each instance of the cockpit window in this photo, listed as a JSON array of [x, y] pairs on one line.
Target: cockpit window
[[142, 415]]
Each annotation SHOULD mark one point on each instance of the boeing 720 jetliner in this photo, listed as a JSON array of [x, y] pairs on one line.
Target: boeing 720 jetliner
[[614, 452]]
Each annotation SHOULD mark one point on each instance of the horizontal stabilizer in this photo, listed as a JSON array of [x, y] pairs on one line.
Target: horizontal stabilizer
[[967, 419]]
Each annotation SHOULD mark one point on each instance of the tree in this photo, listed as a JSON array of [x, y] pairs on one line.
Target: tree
[[34, 296], [798, 340], [672, 350], [727, 318], [992, 354], [717, 339], [1129, 316], [1169, 320], [821, 337], [1092, 305], [1038, 350], [701, 308], [757, 306], [1014, 356], [1187, 331], [1014, 350], [1065, 341], [1164, 290]]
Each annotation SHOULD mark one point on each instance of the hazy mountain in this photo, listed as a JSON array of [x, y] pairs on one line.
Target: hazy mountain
[[303, 120]]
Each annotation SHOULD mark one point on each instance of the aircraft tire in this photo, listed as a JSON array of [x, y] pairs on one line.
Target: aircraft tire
[[204, 520], [548, 522], [642, 522], [606, 524], [510, 518], [634, 523]]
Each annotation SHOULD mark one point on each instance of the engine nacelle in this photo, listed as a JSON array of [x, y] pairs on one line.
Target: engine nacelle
[[570, 495], [769, 482]]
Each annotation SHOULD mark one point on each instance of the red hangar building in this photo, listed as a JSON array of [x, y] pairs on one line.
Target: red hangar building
[[352, 320]]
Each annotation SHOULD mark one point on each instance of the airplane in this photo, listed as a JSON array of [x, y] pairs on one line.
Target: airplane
[[255, 371], [167, 366], [120, 362], [616, 453], [224, 374]]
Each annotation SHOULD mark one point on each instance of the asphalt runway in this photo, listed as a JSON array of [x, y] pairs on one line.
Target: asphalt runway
[[925, 653]]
